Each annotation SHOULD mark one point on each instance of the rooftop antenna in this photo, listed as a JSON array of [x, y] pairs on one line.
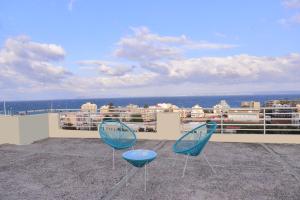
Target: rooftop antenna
[[4, 107]]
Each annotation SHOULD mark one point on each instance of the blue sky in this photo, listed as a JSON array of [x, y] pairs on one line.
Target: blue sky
[[69, 49]]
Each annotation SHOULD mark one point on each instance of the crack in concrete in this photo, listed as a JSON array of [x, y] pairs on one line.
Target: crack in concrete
[[286, 166]]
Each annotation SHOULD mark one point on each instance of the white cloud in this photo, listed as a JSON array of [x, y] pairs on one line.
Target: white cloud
[[208, 45], [70, 5], [221, 35], [144, 46], [291, 3], [295, 19], [292, 19], [230, 68], [128, 80], [103, 86], [23, 61], [106, 67], [160, 68]]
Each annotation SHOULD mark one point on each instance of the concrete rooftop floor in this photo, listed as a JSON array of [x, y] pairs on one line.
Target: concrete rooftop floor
[[82, 169]]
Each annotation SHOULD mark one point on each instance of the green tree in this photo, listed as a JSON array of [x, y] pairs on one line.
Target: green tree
[[110, 105]]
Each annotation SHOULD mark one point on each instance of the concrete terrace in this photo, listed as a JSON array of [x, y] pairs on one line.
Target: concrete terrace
[[81, 169]]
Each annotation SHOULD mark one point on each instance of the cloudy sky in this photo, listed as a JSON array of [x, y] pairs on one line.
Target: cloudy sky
[[82, 48]]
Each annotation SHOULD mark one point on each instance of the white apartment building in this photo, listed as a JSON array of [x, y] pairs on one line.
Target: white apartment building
[[148, 115], [197, 111], [221, 107], [298, 108], [296, 116], [183, 113], [166, 106], [250, 104], [132, 108], [68, 119], [104, 109], [89, 107], [243, 115]]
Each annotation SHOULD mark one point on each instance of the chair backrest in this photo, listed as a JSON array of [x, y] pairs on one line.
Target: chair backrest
[[116, 134], [195, 140]]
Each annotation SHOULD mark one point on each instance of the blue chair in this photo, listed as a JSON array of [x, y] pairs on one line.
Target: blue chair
[[193, 142], [117, 135]]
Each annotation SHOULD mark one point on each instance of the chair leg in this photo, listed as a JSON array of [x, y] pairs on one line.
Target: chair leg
[[113, 167], [145, 178], [183, 173], [126, 174], [209, 164]]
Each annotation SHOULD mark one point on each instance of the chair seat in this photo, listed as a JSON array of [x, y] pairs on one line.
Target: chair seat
[[117, 134], [194, 141], [120, 143]]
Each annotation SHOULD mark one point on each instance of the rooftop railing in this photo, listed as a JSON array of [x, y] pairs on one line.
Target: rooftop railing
[[139, 119], [266, 120]]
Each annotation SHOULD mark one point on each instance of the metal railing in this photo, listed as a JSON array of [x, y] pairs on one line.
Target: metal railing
[[139, 119], [266, 120]]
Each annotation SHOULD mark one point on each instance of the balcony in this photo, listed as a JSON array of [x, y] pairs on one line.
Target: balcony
[[61, 168]]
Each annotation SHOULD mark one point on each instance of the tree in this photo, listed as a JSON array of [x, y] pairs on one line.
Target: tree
[[110, 105]]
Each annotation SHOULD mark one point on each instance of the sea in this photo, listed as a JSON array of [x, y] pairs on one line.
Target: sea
[[15, 107]]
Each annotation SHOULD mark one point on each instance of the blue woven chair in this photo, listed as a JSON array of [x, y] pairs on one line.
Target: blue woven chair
[[117, 135], [193, 142]]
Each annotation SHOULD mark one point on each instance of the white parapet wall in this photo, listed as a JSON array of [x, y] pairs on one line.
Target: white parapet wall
[[23, 129], [9, 130], [168, 128], [33, 128], [57, 132], [27, 129]]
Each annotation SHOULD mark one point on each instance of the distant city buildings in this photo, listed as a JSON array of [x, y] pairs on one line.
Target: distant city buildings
[[143, 119], [243, 115], [165, 107], [104, 109], [281, 111], [183, 112], [89, 107], [251, 104], [222, 107], [291, 103], [197, 111], [298, 108], [68, 120], [296, 119], [249, 112]]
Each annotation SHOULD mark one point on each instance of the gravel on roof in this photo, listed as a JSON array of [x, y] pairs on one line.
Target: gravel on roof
[[61, 168]]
